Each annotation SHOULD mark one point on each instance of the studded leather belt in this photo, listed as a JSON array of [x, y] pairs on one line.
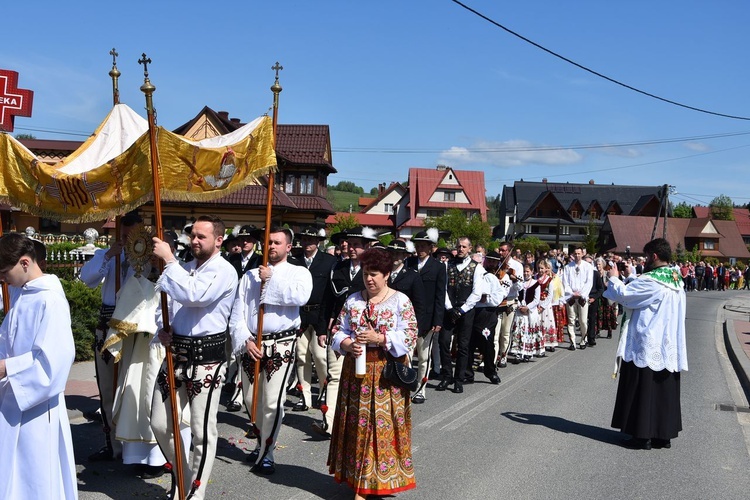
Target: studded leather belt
[[199, 350]]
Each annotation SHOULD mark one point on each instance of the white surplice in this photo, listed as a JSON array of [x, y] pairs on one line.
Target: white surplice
[[36, 342]]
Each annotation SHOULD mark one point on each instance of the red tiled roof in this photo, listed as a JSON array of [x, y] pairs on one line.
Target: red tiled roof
[[741, 217], [49, 144], [315, 203], [636, 231], [305, 144], [371, 220], [423, 182]]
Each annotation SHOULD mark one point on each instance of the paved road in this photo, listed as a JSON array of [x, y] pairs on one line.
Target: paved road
[[543, 433]]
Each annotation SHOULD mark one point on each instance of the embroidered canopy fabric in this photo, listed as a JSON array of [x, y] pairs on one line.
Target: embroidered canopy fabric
[[110, 173]]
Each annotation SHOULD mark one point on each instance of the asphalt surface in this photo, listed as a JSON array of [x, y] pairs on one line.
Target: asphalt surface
[[544, 432]]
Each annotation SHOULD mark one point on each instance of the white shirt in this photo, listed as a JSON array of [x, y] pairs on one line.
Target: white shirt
[[494, 293], [656, 332], [516, 286], [101, 269], [288, 288], [578, 278], [200, 298], [477, 286]]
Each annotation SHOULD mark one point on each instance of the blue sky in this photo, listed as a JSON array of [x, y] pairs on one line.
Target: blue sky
[[418, 83]]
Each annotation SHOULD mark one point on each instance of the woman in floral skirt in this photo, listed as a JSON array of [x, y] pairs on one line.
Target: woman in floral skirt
[[371, 439]]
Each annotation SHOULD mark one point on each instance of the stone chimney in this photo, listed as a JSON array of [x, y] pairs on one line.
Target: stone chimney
[[591, 182], [224, 115]]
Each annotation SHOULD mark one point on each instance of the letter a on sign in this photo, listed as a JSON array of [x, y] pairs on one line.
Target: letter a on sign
[[13, 101]]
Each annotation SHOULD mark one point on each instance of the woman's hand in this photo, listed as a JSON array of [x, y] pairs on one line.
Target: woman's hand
[[369, 336], [350, 346]]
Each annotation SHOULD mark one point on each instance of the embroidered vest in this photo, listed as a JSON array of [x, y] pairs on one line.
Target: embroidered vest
[[460, 283]]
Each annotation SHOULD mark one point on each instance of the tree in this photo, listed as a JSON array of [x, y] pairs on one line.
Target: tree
[[592, 235], [349, 186], [455, 221], [493, 210], [682, 211], [722, 208], [531, 244], [343, 222], [374, 191], [25, 136]]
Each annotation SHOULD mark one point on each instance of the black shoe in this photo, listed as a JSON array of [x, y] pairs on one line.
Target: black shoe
[[637, 444], [572, 347], [443, 385], [661, 443], [103, 455], [468, 380], [494, 378], [318, 428], [609, 335], [151, 471], [551, 349], [582, 345], [266, 467], [503, 363], [300, 406], [457, 387], [234, 406], [418, 399], [252, 457], [592, 344]]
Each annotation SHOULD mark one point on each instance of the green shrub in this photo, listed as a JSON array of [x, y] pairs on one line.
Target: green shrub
[[84, 304]]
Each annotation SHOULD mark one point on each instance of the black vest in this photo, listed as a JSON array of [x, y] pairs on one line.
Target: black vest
[[460, 284]]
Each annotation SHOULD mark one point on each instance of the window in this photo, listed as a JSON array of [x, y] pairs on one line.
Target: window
[[574, 214], [289, 184], [708, 245], [434, 213], [565, 229], [388, 208], [306, 184], [449, 196]]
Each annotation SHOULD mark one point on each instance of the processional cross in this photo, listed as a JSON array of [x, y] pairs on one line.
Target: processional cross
[[145, 61]]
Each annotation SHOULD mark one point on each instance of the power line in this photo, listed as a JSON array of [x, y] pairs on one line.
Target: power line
[[52, 131], [596, 73], [647, 142]]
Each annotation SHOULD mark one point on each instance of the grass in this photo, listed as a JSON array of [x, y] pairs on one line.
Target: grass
[[342, 199]]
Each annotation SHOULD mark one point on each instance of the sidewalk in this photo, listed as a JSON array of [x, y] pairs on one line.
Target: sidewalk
[[737, 339], [81, 393]]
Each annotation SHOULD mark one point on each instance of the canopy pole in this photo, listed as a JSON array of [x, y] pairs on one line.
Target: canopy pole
[[276, 89], [148, 89], [114, 73]]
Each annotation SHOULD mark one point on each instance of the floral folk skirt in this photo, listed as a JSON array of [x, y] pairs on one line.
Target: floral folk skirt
[[371, 439]]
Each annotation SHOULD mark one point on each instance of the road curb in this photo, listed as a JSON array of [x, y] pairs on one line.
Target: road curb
[[740, 361]]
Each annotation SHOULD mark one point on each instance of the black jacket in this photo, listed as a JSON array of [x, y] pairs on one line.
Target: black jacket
[[342, 286], [236, 260], [433, 276], [320, 269], [410, 284]]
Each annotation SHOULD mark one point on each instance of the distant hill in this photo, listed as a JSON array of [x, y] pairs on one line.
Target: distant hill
[[342, 199]]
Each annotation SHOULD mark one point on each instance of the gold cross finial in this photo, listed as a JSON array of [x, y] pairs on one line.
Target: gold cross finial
[[277, 67], [114, 55], [145, 61]]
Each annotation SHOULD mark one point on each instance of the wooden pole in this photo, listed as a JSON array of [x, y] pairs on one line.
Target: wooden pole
[[148, 89], [276, 89]]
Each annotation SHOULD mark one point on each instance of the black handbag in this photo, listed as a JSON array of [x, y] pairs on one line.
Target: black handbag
[[400, 374]]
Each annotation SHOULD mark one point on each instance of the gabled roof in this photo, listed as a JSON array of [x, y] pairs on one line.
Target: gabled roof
[[741, 217], [374, 201], [701, 228], [314, 203], [628, 197], [543, 196], [614, 205], [248, 196], [423, 182], [636, 231], [305, 145], [640, 204], [220, 120]]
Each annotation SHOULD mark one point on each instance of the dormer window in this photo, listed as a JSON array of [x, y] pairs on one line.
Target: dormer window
[[449, 196]]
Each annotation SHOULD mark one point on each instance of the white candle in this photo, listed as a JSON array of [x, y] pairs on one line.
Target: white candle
[[361, 362]]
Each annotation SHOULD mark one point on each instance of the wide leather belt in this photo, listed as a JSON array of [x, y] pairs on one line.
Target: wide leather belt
[[199, 350], [280, 335]]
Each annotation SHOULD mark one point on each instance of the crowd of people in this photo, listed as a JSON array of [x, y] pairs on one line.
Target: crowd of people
[[341, 317]]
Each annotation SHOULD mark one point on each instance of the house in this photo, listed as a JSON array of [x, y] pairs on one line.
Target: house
[[402, 210], [300, 185], [623, 234], [741, 218], [432, 192], [561, 214], [379, 212]]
